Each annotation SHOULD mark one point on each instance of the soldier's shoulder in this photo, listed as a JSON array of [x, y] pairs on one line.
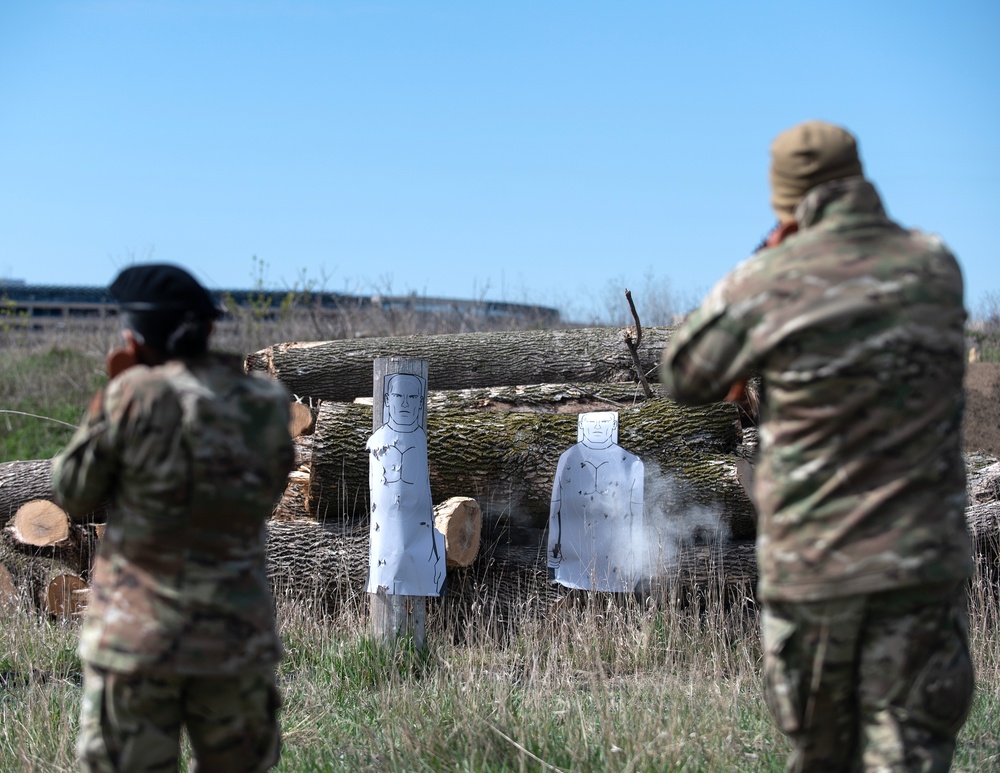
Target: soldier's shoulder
[[930, 242], [139, 380]]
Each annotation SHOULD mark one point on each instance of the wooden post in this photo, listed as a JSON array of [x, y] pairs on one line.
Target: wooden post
[[394, 616]]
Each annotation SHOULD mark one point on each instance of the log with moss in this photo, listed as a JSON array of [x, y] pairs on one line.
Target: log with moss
[[506, 459], [342, 369]]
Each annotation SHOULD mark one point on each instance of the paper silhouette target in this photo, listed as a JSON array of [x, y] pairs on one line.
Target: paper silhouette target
[[596, 535], [406, 551]]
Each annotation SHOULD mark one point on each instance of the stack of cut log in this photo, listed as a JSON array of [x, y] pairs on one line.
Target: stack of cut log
[[45, 559]]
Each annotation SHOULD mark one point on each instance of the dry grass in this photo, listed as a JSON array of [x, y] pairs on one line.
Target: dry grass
[[606, 687]]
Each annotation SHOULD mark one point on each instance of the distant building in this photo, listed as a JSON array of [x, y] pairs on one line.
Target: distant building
[[41, 306]]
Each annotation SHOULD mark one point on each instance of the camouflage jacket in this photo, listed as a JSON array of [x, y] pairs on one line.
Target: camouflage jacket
[[192, 456], [856, 327]]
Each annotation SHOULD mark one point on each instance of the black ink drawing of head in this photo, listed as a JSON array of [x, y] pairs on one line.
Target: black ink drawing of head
[[403, 402], [598, 429]]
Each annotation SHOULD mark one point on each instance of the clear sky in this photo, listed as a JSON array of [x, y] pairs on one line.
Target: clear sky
[[543, 152]]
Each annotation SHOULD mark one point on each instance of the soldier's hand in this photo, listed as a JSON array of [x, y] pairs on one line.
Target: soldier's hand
[[736, 392], [119, 360], [781, 232]]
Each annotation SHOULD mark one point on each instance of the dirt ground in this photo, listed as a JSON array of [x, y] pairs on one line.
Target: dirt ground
[[982, 407]]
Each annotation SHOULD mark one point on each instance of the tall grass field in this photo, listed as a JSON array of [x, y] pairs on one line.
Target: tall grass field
[[597, 687]]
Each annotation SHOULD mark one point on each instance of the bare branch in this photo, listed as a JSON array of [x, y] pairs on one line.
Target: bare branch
[[633, 341]]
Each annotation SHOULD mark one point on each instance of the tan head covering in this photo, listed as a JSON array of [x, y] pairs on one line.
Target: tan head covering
[[806, 155]]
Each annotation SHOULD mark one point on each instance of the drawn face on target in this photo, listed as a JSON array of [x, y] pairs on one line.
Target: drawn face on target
[[403, 402], [598, 429]]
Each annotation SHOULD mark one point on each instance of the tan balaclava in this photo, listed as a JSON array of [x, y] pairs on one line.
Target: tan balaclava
[[806, 155]]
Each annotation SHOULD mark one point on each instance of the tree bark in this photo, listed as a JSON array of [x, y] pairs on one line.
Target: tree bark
[[321, 565], [983, 519], [341, 369], [8, 591], [541, 398], [506, 460]]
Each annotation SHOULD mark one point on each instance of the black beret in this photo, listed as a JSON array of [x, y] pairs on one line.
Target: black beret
[[162, 287]]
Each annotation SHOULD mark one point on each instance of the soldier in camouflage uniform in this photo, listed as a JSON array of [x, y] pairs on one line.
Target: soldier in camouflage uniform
[[191, 453], [855, 326]]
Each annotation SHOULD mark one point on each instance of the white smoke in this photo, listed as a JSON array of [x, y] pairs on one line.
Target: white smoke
[[672, 523]]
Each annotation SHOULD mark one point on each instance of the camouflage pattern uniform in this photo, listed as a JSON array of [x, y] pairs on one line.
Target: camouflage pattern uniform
[[856, 328], [180, 629]]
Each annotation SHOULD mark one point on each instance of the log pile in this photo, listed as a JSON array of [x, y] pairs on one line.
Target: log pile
[[496, 426], [47, 558], [501, 409]]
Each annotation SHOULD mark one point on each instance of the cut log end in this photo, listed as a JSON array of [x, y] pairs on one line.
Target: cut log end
[[301, 421], [63, 596], [460, 520], [40, 523]]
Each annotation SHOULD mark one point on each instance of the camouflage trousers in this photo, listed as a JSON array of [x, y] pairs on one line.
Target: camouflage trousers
[[132, 722], [882, 682]]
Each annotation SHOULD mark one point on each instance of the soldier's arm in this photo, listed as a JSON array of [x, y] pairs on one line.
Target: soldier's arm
[[706, 360], [710, 357], [83, 473]]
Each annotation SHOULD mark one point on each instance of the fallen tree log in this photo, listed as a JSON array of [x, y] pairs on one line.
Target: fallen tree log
[[9, 597], [23, 481], [507, 580], [983, 519], [506, 460], [292, 504], [322, 565], [342, 369]]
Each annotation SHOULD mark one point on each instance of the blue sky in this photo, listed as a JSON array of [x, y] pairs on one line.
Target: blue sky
[[547, 152]]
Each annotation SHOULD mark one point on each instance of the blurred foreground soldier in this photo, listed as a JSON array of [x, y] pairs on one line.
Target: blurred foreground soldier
[[855, 326], [192, 454]]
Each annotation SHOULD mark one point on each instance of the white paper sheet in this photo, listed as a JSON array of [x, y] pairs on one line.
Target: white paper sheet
[[596, 533], [406, 551]]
